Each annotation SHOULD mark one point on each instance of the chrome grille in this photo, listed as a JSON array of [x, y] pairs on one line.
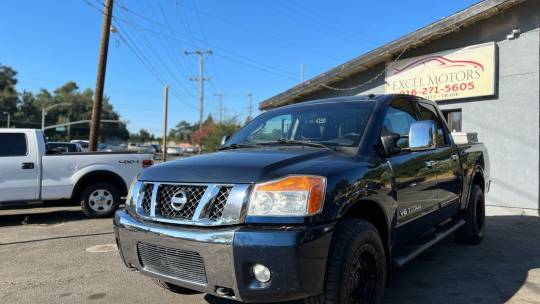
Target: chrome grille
[[192, 204], [146, 203], [176, 263], [166, 192], [218, 204]]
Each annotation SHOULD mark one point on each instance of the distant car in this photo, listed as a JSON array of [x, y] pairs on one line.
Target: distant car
[[157, 148], [63, 147], [174, 151], [115, 148], [84, 144]]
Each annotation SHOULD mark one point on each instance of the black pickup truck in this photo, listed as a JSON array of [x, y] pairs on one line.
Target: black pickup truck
[[316, 201]]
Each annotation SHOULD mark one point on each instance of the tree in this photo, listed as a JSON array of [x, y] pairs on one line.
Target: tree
[[8, 92], [26, 108], [142, 137]]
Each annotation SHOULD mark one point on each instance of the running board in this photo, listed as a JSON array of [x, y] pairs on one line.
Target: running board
[[410, 252]]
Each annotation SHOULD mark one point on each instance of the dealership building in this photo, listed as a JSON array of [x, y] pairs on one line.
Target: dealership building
[[481, 65]]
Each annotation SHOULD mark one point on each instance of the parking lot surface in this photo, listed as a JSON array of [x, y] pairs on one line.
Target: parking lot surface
[[56, 255]]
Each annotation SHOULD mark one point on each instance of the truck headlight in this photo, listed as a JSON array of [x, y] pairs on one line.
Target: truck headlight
[[294, 195], [133, 195]]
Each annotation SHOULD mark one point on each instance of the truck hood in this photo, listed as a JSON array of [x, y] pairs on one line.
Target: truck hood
[[236, 166]]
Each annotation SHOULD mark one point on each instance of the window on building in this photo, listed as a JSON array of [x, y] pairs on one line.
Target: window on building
[[429, 112], [453, 119], [12, 144]]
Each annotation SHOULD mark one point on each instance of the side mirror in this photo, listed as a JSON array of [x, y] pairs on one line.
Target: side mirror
[[389, 143], [423, 135], [224, 139]]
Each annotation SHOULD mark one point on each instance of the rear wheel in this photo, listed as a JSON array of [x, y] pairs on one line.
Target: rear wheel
[[100, 200], [175, 288], [475, 217], [356, 271]]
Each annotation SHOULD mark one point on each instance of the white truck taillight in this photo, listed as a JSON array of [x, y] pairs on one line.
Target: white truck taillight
[[147, 163]]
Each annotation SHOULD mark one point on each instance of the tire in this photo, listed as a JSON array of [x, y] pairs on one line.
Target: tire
[[356, 269], [175, 288], [475, 217], [100, 200]]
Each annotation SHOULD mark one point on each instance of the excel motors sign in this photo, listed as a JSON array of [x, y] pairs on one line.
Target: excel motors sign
[[460, 73]]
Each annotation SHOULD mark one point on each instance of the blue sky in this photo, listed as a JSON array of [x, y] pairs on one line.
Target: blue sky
[[258, 47]]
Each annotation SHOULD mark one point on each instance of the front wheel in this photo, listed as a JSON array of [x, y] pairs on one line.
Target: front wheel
[[356, 270], [100, 200]]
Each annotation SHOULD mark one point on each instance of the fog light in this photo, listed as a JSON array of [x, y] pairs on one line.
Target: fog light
[[261, 272]]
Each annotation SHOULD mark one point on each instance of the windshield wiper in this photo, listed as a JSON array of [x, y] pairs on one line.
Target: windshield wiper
[[238, 146], [284, 141]]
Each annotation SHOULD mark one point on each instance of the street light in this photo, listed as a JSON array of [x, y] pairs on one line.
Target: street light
[[44, 112], [8, 118]]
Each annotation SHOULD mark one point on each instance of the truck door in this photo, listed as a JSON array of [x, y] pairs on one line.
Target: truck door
[[445, 161], [18, 167], [416, 179]]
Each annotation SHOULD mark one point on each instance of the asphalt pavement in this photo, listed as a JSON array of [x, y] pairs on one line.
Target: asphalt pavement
[[57, 255]]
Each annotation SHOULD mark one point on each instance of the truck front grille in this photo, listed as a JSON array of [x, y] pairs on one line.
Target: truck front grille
[[176, 263], [147, 198], [218, 204], [193, 195], [192, 204]]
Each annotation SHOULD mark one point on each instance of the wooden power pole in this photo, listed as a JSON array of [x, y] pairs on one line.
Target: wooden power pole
[[165, 116], [100, 82], [201, 81]]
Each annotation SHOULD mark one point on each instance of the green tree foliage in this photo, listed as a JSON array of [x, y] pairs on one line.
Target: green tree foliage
[[8, 93], [25, 109], [142, 137]]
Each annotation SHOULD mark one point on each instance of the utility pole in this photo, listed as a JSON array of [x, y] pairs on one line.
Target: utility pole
[[201, 80], [250, 107], [220, 95], [100, 81], [165, 115]]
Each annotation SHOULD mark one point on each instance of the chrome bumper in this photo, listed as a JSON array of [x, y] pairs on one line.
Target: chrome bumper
[[214, 246], [295, 254]]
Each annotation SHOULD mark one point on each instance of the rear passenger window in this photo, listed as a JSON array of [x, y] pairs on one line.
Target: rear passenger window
[[428, 112], [12, 144], [399, 117]]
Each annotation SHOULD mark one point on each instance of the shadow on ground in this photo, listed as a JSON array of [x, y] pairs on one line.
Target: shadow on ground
[[54, 213], [504, 267]]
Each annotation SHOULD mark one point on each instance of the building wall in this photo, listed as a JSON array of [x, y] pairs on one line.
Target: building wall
[[508, 123]]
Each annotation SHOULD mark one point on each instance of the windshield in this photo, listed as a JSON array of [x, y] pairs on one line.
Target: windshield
[[331, 124]]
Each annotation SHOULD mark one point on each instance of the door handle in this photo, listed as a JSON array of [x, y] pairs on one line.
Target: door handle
[[27, 166], [430, 163], [454, 157]]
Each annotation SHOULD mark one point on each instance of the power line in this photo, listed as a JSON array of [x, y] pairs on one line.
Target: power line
[[136, 51], [252, 30], [319, 19], [204, 42], [151, 51]]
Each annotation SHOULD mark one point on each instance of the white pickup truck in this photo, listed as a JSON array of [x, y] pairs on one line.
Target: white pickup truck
[[29, 174]]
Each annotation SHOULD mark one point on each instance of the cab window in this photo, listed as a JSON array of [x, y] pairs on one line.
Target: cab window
[[429, 112], [399, 117], [13, 144]]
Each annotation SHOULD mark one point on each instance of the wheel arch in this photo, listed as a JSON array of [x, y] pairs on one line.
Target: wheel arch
[[99, 176], [476, 178], [371, 211]]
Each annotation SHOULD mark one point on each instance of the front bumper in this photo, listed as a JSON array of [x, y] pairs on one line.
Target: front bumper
[[295, 255]]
